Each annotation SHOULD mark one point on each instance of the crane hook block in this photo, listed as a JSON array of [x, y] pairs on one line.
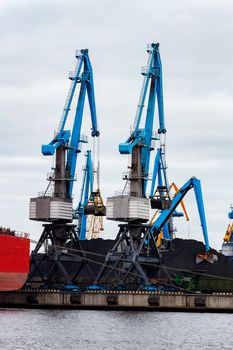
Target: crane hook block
[[162, 131], [160, 203], [96, 210], [95, 133]]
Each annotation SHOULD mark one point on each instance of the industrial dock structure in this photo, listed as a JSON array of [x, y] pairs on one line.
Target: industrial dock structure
[[68, 270], [140, 300]]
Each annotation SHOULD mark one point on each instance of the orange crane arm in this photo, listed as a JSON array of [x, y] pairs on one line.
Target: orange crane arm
[[176, 189]]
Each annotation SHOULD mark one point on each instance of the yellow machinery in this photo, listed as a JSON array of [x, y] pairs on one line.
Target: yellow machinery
[[96, 211]]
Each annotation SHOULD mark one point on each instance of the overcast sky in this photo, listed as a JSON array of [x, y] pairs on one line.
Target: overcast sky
[[38, 42]]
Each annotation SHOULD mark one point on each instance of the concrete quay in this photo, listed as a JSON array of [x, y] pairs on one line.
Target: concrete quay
[[166, 301]]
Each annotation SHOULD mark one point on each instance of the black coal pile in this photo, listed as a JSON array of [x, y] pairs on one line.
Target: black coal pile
[[95, 251], [182, 257]]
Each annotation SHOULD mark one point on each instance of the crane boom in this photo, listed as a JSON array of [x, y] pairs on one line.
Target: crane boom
[[87, 85], [152, 69], [70, 95], [166, 213], [83, 74], [144, 136]]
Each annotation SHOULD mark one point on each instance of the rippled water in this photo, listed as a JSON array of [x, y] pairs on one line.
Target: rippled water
[[95, 330]]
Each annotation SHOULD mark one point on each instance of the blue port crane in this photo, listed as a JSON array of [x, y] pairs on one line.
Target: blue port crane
[[152, 90], [82, 75], [159, 172], [167, 213], [134, 208], [90, 203], [56, 209], [86, 191], [159, 175]]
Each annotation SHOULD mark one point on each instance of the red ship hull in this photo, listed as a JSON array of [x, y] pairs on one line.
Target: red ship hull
[[14, 261]]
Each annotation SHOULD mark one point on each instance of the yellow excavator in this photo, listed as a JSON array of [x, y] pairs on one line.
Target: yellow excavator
[[227, 246], [228, 234]]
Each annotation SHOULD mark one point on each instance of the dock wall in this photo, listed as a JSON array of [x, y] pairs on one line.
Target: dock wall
[[219, 302]]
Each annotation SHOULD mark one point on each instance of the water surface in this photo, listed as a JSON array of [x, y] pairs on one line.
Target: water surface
[[100, 330]]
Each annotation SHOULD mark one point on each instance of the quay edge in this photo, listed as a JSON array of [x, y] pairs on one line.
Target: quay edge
[[172, 301]]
